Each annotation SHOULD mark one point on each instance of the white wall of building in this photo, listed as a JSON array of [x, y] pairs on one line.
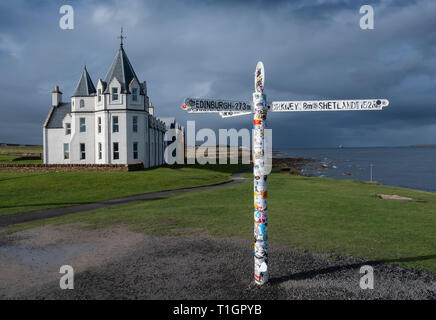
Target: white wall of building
[[55, 142], [98, 112], [87, 138]]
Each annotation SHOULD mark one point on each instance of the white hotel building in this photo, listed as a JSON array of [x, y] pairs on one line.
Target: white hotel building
[[112, 123]]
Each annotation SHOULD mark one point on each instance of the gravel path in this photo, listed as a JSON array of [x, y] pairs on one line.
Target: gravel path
[[118, 264], [56, 212]]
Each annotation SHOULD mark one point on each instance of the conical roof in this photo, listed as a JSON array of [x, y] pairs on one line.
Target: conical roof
[[85, 87], [123, 71]]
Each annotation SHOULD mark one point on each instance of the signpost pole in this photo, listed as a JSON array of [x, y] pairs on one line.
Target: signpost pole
[[260, 180], [228, 108]]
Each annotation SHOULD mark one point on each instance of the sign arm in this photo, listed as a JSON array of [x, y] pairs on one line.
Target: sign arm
[[329, 105], [197, 105]]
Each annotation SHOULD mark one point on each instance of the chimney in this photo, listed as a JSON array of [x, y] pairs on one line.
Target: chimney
[[56, 97], [151, 109], [144, 87]]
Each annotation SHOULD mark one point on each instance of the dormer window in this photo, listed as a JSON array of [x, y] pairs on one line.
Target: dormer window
[[99, 95], [82, 103], [134, 94], [114, 94]]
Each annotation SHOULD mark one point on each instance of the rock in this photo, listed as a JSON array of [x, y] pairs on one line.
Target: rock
[[397, 197]]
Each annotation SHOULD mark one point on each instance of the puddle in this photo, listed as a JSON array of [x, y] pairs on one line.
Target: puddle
[[47, 257]]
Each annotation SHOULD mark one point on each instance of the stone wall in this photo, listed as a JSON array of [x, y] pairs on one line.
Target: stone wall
[[71, 167]]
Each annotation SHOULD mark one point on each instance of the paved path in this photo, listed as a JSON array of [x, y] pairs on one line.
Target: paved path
[[57, 212]]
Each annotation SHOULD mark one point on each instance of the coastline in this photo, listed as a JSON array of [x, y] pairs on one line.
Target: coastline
[[295, 166], [313, 167]]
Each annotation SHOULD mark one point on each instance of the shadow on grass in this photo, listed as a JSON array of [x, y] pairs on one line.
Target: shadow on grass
[[25, 176], [313, 273], [47, 213], [47, 204], [62, 205]]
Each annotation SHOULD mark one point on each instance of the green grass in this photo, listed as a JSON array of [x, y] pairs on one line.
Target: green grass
[[22, 192], [9, 153], [9, 159], [321, 215], [21, 149]]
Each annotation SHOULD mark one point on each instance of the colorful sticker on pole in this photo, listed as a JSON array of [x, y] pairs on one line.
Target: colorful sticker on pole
[[259, 77]]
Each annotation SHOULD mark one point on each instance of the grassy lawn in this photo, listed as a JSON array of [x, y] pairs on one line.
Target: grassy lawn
[[21, 149], [317, 214], [17, 152], [21, 192], [8, 159]]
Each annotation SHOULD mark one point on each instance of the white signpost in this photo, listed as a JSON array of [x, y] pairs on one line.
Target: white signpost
[[259, 108], [329, 105], [193, 105]]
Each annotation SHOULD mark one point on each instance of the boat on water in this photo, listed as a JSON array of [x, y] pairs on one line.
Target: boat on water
[[341, 146]]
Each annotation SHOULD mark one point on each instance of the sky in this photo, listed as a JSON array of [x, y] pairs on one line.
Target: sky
[[311, 49]]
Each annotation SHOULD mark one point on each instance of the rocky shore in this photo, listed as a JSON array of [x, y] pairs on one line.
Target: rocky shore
[[293, 166], [307, 167]]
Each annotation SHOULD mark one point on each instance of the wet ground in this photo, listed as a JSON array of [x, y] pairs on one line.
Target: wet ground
[[118, 264]]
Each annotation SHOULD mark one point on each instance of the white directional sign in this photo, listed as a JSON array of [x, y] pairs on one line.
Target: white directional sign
[[329, 105], [227, 114], [194, 105]]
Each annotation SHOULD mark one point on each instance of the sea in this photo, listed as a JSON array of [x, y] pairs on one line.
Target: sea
[[409, 167]]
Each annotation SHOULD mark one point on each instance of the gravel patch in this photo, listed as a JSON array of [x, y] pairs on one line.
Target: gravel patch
[[118, 264]]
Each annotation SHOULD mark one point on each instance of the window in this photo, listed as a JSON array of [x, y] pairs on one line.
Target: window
[[82, 125], [114, 94], [82, 103], [135, 150], [115, 127], [135, 123], [66, 151], [116, 151], [134, 94], [100, 151], [99, 95], [82, 151], [67, 128], [99, 124]]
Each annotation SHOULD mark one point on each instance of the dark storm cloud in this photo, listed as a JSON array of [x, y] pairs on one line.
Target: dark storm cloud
[[311, 49]]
